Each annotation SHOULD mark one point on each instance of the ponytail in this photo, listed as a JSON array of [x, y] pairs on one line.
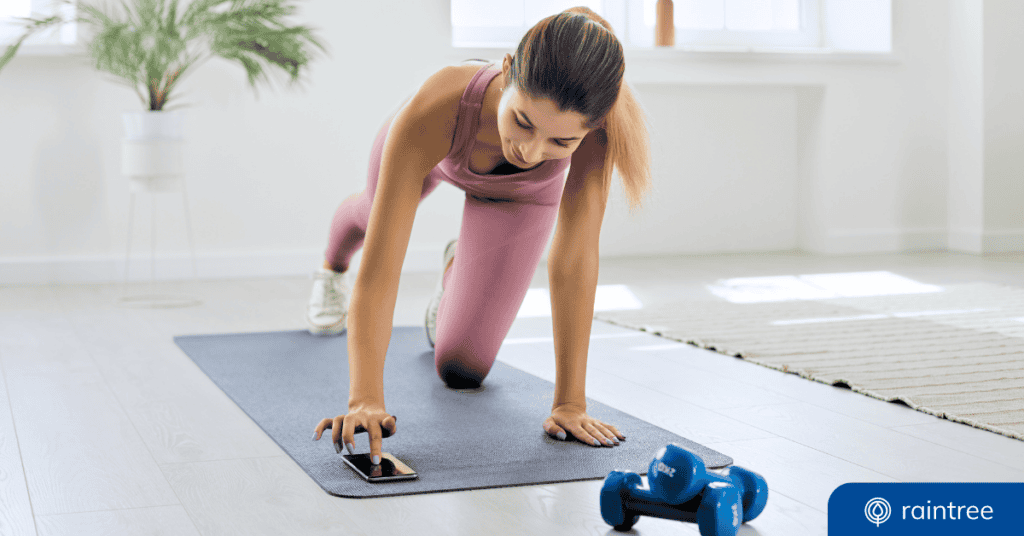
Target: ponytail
[[628, 147]]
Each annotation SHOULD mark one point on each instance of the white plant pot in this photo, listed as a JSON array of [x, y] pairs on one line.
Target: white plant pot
[[152, 151]]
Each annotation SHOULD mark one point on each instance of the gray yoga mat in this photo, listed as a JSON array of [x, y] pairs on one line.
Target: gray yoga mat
[[288, 381]]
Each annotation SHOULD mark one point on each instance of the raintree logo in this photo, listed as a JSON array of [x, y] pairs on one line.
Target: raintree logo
[[925, 508], [877, 510]]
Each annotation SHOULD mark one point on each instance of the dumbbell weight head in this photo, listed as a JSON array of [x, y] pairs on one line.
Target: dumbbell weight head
[[721, 511], [678, 475], [753, 490], [613, 508]]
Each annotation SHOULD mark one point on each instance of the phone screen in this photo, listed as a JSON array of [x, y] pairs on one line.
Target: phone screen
[[390, 468]]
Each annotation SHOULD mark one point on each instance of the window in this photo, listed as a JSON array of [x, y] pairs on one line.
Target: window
[[814, 25], [732, 23], [502, 23], [11, 30]]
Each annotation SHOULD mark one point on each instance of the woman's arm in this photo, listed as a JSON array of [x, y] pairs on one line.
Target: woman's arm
[[572, 278], [420, 136]]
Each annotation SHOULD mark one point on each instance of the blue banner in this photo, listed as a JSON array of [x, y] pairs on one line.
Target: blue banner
[[932, 509]]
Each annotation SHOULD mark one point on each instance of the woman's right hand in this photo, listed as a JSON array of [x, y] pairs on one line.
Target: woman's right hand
[[371, 419]]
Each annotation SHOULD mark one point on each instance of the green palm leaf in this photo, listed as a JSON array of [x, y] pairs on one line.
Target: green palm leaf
[[148, 46]]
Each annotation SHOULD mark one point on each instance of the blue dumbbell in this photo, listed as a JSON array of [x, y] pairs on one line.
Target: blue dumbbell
[[678, 475], [717, 511]]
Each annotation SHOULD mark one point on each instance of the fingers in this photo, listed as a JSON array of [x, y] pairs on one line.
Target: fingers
[[554, 430], [344, 429], [583, 435], [591, 432], [341, 430], [348, 435], [375, 443], [319, 430], [389, 428], [602, 434], [595, 437]]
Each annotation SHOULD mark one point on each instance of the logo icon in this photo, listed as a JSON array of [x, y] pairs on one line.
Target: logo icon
[[877, 511], [662, 468]]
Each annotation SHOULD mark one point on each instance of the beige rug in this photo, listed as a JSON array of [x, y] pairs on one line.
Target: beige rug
[[957, 354]]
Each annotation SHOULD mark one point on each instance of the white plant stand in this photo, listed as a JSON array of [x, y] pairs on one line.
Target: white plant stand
[[152, 160]]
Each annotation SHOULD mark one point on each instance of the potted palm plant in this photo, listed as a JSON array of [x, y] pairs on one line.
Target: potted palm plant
[[150, 45]]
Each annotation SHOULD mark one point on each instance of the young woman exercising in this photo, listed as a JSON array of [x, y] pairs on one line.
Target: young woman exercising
[[506, 137]]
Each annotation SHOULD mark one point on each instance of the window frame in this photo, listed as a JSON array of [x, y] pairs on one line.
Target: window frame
[[626, 16], [808, 36], [55, 41], [484, 37]]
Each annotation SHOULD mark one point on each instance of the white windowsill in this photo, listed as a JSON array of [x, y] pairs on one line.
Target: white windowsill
[[724, 67], [709, 53], [761, 54]]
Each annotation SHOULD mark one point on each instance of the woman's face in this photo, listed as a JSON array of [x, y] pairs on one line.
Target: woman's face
[[534, 130]]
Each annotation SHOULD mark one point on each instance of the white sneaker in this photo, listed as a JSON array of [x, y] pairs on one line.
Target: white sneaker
[[435, 302], [327, 310]]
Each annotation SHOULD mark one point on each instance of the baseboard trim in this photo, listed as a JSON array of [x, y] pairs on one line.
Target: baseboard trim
[[178, 266], [966, 241], [986, 242], [1003, 241], [863, 241], [300, 263]]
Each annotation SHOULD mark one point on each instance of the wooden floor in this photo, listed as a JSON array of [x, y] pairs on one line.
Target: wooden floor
[[107, 428]]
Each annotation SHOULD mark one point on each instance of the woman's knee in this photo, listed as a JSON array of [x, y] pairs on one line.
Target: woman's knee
[[461, 368]]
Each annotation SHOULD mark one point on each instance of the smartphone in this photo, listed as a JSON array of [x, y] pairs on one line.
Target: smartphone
[[390, 468]]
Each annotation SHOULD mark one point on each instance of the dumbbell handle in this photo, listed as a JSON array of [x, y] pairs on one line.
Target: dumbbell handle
[[642, 501], [711, 476]]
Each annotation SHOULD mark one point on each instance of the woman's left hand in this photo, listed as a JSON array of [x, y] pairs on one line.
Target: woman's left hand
[[574, 420]]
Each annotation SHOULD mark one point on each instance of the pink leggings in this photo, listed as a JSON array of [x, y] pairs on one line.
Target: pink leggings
[[500, 245]]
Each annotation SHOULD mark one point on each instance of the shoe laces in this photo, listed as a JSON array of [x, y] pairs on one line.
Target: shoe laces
[[333, 288]]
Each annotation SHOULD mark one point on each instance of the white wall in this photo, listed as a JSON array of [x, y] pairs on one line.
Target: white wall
[[750, 154], [1004, 125], [264, 175], [965, 153], [985, 132], [869, 136], [725, 173]]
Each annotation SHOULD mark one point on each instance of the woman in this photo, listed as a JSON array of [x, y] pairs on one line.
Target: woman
[[506, 137]]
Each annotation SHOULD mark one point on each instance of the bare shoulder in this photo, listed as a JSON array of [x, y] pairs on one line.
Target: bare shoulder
[[436, 103], [424, 127]]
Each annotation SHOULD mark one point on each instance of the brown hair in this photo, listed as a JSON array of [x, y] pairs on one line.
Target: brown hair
[[574, 59]]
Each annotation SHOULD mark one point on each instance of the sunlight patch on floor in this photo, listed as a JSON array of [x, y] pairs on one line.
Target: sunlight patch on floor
[[608, 298], [530, 340], [656, 347], [817, 287]]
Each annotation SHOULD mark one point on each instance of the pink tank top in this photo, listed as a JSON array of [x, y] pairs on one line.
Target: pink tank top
[[541, 185]]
